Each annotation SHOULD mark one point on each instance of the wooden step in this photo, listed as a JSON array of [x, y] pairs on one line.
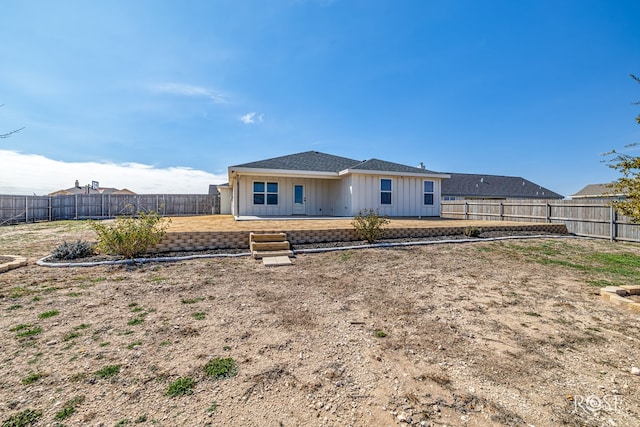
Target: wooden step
[[264, 254], [270, 246], [267, 237]]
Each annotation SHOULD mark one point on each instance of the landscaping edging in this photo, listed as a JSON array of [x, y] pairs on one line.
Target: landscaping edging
[[618, 294], [9, 262]]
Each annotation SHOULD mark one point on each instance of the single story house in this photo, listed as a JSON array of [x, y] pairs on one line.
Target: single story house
[[318, 184], [598, 191], [466, 186], [94, 188]]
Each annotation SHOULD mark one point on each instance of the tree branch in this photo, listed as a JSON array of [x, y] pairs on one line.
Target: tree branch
[[7, 135]]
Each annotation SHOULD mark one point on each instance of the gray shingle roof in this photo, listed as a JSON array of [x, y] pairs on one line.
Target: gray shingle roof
[[494, 186], [307, 161], [595, 190], [321, 162], [384, 166]]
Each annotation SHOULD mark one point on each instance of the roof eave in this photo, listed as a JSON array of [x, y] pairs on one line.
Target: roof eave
[[393, 173], [235, 171]]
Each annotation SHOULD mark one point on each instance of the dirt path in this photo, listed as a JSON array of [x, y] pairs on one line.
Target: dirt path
[[473, 334]]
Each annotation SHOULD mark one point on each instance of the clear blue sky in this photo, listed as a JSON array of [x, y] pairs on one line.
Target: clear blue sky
[[162, 96]]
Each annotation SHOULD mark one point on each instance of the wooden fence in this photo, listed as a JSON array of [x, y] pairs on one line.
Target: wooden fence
[[20, 209], [589, 218]]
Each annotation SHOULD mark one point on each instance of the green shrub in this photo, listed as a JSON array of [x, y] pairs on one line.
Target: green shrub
[[220, 368], [25, 418], [23, 330], [472, 231], [32, 378], [69, 408], [48, 314], [180, 387], [73, 250], [131, 236], [108, 371], [369, 225]]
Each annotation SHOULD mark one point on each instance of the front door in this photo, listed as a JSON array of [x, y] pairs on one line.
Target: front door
[[298, 200]]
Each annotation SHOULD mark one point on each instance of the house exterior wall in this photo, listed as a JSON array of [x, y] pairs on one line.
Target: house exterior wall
[[407, 195], [338, 197], [319, 196], [225, 200]]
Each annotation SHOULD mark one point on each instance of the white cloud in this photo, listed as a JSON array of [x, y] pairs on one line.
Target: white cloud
[[251, 118], [189, 90], [29, 173]]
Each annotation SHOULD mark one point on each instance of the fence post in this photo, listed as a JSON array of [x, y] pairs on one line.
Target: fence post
[[501, 211], [612, 223], [26, 209], [548, 212], [466, 210]]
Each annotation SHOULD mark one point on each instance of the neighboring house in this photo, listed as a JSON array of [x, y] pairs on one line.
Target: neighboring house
[[465, 186], [598, 191], [89, 189], [319, 184]]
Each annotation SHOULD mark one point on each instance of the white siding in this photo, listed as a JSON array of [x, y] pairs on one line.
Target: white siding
[[407, 195], [320, 196], [339, 197], [225, 200]]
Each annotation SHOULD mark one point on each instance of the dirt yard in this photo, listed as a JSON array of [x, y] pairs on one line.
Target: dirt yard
[[478, 334]]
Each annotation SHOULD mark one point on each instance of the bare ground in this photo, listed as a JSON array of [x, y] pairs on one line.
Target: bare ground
[[475, 334]]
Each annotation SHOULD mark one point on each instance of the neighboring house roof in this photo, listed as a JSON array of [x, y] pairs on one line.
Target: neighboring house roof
[[74, 190], [596, 191], [494, 186], [108, 190], [123, 191], [314, 161], [86, 189]]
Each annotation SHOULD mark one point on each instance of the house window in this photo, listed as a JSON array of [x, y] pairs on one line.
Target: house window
[[385, 191], [428, 192], [265, 193]]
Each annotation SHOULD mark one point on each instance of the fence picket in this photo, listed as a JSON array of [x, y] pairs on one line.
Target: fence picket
[[20, 209], [591, 218]]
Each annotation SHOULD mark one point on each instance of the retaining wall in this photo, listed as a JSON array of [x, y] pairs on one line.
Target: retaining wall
[[197, 241]]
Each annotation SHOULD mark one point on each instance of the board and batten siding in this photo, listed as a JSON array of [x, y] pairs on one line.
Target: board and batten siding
[[406, 195], [320, 196]]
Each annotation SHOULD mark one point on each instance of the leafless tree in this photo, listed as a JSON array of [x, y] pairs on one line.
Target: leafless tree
[[8, 134]]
